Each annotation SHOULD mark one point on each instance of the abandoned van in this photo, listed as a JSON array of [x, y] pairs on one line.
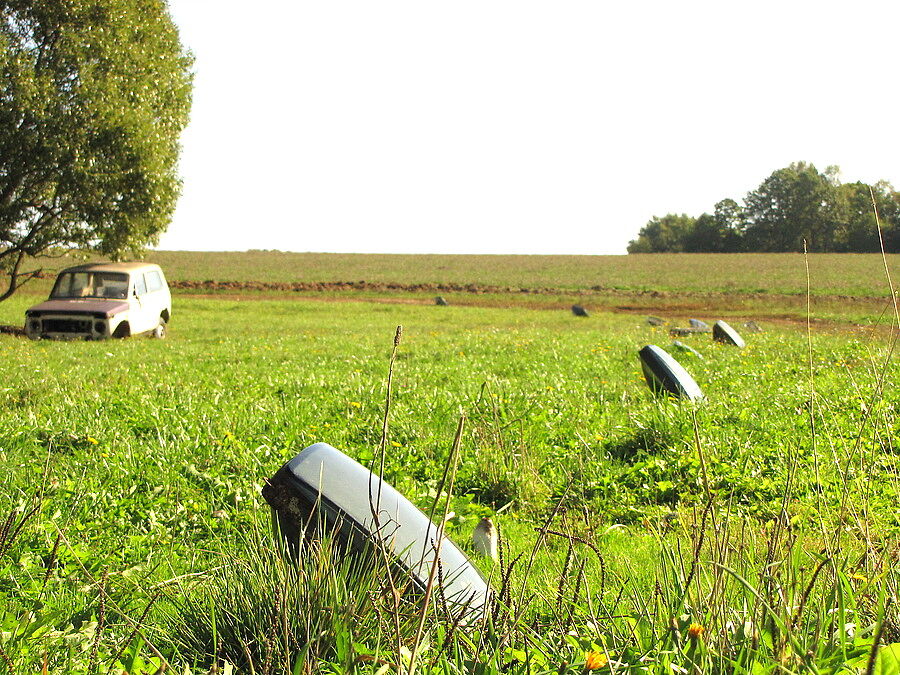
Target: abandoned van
[[103, 300]]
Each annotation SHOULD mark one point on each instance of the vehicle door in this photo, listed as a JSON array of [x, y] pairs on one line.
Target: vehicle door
[[141, 315], [155, 299]]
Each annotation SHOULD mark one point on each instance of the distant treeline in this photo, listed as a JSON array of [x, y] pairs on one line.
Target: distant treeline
[[793, 205]]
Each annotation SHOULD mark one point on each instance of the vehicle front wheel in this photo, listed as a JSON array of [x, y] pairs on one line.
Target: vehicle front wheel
[[160, 331]]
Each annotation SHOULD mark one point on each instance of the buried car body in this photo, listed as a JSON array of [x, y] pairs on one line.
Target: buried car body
[[103, 300]]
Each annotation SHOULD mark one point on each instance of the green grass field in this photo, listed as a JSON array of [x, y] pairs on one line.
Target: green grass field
[[773, 527], [783, 273]]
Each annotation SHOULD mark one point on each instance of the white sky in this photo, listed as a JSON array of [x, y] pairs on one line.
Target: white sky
[[479, 126]]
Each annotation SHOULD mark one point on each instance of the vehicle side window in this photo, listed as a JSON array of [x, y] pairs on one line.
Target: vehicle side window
[[110, 285], [154, 282], [140, 287]]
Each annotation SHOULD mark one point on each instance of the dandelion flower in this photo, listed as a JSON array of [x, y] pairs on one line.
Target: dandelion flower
[[92, 440], [695, 630], [595, 661]]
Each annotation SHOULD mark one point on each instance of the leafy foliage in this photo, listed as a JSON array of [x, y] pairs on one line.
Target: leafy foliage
[[666, 234], [794, 205], [93, 97]]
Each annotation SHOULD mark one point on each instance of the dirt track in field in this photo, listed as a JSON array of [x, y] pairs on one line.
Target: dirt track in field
[[482, 289], [776, 308], [377, 286]]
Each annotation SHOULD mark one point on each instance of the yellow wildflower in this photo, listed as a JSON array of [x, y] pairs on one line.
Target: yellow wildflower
[[695, 630], [595, 661], [92, 440]]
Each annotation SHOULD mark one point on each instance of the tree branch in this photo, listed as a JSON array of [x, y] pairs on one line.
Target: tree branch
[[18, 279]]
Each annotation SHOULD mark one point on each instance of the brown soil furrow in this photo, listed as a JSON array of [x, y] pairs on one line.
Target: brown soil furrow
[[481, 289]]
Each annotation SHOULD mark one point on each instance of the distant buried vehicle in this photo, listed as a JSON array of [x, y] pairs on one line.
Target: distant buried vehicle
[[103, 300]]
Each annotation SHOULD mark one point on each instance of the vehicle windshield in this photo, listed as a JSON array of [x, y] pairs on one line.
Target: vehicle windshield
[[91, 285]]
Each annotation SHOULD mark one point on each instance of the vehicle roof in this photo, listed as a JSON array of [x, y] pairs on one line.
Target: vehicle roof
[[126, 267]]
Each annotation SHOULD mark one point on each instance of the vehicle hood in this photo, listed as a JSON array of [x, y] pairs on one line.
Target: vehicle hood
[[91, 306]]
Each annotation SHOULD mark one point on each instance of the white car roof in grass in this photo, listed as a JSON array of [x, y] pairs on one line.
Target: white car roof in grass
[[126, 267]]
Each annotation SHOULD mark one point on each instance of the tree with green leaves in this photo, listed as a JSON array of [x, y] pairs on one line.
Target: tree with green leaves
[[716, 233], [858, 229], [93, 98], [663, 234], [793, 205]]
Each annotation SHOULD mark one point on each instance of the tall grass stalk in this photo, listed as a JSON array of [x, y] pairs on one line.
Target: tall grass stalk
[[375, 507]]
